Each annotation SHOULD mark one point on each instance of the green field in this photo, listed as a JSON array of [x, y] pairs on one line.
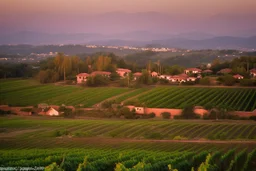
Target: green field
[[28, 92], [33, 141], [240, 99]]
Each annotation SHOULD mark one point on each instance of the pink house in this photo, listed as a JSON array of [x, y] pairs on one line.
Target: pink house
[[225, 71], [192, 71], [82, 77], [154, 74], [253, 72], [136, 75], [237, 76], [123, 72]]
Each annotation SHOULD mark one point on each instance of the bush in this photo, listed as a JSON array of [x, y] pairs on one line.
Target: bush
[[252, 118], [2, 112], [147, 116], [166, 115], [26, 109], [205, 81], [227, 80], [246, 82], [152, 115], [107, 104], [127, 113], [188, 113], [97, 80], [59, 133]]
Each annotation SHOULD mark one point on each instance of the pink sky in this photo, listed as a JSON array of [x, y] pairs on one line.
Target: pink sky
[[74, 15], [209, 7]]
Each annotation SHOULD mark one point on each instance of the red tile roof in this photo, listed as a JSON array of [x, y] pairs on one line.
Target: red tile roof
[[137, 74], [82, 75], [207, 71], [100, 73], [238, 76], [253, 70], [193, 69], [226, 70], [123, 69]]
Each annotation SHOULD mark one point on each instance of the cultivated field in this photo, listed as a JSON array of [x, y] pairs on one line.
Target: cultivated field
[[240, 99], [108, 144], [28, 92]]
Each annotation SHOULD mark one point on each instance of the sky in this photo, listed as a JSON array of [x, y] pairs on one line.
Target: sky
[[72, 15]]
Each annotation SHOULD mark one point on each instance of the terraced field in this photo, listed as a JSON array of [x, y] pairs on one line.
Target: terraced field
[[240, 99], [125, 145], [27, 92]]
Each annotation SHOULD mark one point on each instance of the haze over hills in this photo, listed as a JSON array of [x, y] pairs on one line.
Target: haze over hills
[[136, 29]]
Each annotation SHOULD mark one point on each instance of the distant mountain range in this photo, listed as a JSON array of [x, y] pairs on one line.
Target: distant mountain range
[[189, 40]]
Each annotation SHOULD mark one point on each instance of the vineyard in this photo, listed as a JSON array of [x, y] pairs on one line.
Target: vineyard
[[180, 158], [78, 144], [178, 97], [26, 92]]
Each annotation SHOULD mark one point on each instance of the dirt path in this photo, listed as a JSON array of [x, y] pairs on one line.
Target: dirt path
[[118, 140]]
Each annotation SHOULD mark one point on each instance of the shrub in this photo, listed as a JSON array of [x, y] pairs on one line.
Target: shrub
[[107, 103], [26, 109], [127, 113], [246, 82], [205, 81], [252, 118], [227, 80], [166, 115], [188, 113], [97, 80], [2, 112], [59, 133], [152, 115]]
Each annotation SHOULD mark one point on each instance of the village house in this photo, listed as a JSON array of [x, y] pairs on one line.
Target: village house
[[208, 71], [154, 74], [237, 76], [166, 77], [82, 77], [50, 112], [191, 79], [136, 75], [253, 72], [225, 71], [192, 71], [123, 72]]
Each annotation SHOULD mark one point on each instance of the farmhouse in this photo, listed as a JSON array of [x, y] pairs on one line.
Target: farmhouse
[[253, 72], [237, 76], [123, 72], [136, 75], [154, 74], [208, 71], [192, 71], [50, 112], [82, 77], [167, 77], [225, 71]]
